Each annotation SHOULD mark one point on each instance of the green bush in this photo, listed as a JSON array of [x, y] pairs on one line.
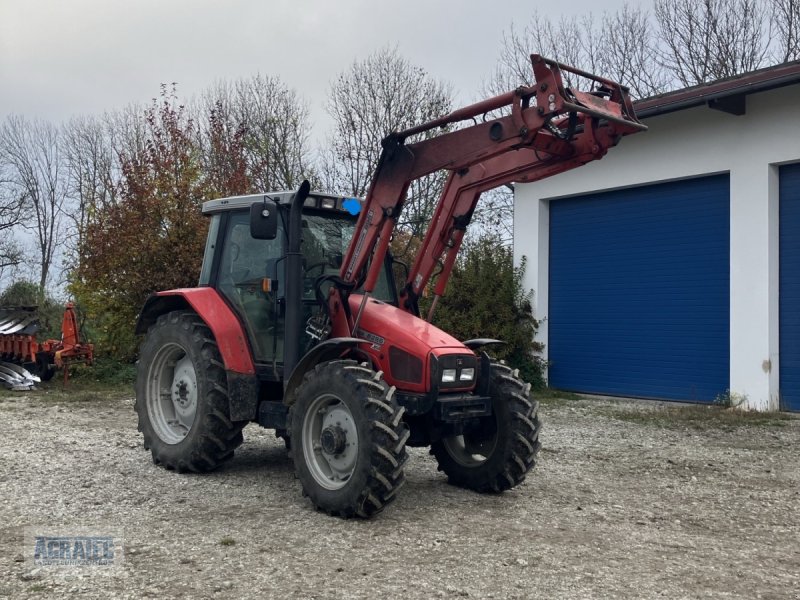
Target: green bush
[[106, 371]]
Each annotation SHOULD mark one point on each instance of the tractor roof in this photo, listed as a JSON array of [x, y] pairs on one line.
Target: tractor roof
[[285, 197]]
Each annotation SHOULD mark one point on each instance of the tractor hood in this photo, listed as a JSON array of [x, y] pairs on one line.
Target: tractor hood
[[382, 323]]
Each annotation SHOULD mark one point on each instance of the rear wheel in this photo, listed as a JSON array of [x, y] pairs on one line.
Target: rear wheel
[[497, 453], [182, 396], [348, 439]]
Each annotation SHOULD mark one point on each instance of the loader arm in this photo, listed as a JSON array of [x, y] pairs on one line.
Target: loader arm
[[460, 198], [548, 130]]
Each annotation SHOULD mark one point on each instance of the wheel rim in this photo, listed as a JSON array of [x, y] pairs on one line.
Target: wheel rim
[[330, 441], [172, 394], [474, 448]]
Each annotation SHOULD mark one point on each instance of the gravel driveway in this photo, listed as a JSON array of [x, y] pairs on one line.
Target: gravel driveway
[[629, 500]]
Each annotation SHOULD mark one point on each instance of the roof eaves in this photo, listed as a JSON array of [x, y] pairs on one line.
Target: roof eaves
[[699, 95]]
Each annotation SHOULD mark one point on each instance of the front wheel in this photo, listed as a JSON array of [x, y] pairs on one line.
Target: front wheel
[[348, 439], [182, 396], [497, 452]]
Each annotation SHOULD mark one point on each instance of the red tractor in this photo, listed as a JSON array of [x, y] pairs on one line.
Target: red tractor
[[297, 324]]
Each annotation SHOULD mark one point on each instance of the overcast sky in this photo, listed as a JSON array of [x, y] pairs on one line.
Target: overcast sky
[[64, 57]]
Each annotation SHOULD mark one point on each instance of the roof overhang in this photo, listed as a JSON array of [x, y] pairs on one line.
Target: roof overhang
[[727, 95]]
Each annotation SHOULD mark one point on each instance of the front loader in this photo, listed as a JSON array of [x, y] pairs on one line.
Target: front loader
[[297, 324]]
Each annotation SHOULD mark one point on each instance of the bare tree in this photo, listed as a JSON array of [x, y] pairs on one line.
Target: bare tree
[[272, 122], [628, 51], [12, 214], [35, 174], [553, 40], [374, 97], [786, 25], [11, 254], [711, 39], [620, 46], [127, 132], [92, 174]]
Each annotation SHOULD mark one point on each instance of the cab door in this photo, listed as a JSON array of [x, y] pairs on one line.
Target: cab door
[[250, 277]]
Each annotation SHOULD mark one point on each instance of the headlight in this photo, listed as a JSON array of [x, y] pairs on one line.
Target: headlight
[[467, 374], [454, 371]]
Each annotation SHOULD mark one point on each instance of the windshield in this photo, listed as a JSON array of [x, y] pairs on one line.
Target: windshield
[[325, 240]]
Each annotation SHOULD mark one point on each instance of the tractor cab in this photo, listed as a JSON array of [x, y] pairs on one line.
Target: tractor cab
[[250, 273]]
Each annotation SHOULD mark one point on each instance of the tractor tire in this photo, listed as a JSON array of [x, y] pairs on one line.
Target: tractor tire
[[182, 396], [498, 454], [348, 439]]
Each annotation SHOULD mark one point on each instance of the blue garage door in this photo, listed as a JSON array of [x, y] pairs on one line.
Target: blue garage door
[[789, 362], [639, 291]]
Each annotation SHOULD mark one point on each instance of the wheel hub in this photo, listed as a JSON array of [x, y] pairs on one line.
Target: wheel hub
[[330, 441], [333, 440], [184, 387], [181, 393], [172, 393]]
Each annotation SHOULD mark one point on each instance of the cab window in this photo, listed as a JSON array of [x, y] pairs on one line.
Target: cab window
[[251, 278]]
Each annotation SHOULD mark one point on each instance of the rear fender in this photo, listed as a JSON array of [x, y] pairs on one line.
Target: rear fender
[[222, 321], [228, 333]]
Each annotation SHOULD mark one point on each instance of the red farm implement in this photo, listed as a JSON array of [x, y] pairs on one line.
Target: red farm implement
[[24, 360]]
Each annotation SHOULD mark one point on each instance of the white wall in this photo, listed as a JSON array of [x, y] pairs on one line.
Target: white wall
[[691, 143]]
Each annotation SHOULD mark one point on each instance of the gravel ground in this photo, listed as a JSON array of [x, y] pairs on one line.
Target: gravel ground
[[629, 500]]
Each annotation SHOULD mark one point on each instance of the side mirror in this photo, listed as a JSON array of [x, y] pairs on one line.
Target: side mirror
[[264, 220]]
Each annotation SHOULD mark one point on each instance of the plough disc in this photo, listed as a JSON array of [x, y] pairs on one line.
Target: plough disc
[[17, 378]]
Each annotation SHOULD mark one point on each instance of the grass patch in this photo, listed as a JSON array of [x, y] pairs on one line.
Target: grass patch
[[551, 397], [227, 541], [4, 393], [105, 379], [79, 391], [696, 416], [38, 587], [75, 391]]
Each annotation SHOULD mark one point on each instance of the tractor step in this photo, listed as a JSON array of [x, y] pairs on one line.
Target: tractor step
[[272, 415]]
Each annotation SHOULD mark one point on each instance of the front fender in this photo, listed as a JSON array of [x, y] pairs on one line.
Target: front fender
[[327, 350], [481, 342]]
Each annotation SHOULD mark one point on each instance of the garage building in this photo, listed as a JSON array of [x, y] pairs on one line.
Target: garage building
[[670, 269]]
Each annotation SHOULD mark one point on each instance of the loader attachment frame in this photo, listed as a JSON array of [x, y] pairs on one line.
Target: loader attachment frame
[[545, 129]]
